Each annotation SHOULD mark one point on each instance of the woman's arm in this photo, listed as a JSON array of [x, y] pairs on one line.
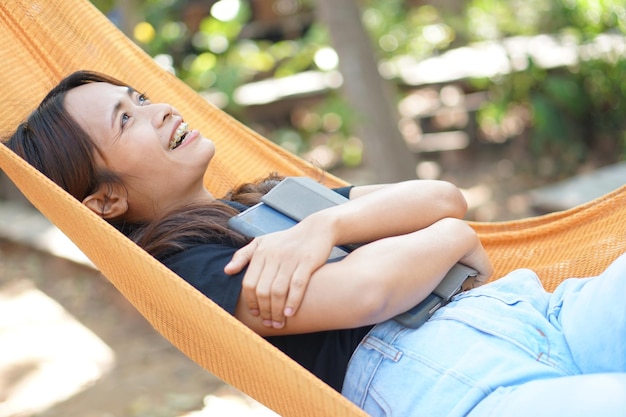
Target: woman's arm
[[379, 280], [378, 211], [281, 264]]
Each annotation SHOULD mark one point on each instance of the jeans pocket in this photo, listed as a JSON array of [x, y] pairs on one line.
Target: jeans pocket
[[513, 309]]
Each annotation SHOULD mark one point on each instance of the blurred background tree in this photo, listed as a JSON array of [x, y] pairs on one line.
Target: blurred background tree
[[543, 77]]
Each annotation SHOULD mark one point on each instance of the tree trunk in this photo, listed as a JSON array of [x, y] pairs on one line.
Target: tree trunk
[[130, 15], [385, 152]]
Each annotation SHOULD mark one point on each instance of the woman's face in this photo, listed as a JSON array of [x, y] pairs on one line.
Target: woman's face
[[134, 139]]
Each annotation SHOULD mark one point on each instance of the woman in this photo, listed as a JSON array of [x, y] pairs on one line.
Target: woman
[[507, 348]]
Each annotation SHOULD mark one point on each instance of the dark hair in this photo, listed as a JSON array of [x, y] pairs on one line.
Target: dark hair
[[56, 145]]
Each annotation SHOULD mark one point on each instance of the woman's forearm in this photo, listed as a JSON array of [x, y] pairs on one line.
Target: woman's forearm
[[382, 279], [392, 210], [401, 271]]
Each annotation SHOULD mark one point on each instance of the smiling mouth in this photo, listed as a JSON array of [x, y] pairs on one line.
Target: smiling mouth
[[179, 136]]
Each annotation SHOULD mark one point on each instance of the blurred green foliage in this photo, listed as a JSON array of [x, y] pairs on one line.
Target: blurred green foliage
[[560, 111], [566, 110]]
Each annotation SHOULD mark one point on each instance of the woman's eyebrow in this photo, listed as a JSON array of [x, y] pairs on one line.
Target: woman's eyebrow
[[130, 91]]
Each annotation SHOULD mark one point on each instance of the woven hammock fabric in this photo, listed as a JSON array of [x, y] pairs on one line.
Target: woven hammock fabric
[[42, 41]]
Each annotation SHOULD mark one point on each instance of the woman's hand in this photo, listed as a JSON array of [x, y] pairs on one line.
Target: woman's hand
[[279, 268]]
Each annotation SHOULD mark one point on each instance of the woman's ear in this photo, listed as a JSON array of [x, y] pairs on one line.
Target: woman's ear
[[108, 201]]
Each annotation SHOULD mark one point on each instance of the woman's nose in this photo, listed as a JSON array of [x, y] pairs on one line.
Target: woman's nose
[[161, 112]]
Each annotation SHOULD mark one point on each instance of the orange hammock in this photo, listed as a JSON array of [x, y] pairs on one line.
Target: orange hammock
[[43, 40]]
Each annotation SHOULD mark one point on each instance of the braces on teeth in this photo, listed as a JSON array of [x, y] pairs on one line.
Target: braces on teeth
[[179, 135]]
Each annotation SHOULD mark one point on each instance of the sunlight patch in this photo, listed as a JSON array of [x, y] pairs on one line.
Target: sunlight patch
[[46, 355]]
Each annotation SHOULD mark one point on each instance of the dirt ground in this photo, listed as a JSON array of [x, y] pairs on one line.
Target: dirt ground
[[150, 377]]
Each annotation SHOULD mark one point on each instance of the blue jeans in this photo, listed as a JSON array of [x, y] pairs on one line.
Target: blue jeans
[[506, 349]]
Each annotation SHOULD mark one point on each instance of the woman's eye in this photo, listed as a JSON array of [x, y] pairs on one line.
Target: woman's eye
[[125, 118], [142, 100]]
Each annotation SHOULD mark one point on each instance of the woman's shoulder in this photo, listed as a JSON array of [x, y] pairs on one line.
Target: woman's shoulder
[[201, 255], [202, 266]]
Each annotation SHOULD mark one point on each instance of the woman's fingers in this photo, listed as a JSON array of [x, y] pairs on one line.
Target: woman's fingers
[[249, 287], [260, 294], [287, 292], [266, 282], [279, 291], [297, 288], [241, 258], [276, 293], [277, 275]]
